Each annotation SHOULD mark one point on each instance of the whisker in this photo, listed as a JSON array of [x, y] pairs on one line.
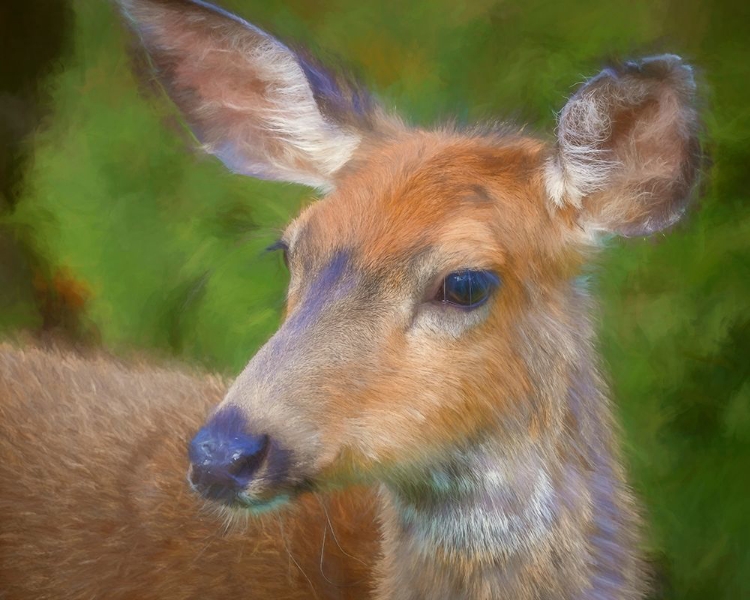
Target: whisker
[[322, 553], [333, 533], [294, 560], [329, 525], [209, 540]]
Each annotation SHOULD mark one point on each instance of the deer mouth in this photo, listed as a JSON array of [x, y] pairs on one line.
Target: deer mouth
[[266, 503], [254, 501]]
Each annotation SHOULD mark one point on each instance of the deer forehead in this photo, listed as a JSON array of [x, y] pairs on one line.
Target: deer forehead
[[433, 199]]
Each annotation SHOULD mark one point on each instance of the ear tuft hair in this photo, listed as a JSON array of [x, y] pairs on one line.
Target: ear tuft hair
[[628, 153]]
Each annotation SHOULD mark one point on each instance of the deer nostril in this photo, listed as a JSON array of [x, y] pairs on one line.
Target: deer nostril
[[208, 449], [245, 462]]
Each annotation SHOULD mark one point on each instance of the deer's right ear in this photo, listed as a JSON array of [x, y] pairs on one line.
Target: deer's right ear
[[628, 152], [261, 108]]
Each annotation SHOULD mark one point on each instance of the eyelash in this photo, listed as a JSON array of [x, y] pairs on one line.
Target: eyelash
[[280, 245]]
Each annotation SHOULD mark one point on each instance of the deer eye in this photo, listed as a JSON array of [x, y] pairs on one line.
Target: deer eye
[[280, 245], [467, 289]]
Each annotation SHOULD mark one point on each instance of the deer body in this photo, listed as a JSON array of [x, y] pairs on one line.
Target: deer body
[[436, 347], [94, 502]]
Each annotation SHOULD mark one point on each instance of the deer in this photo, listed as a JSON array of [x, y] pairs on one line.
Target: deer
[[430, 420]]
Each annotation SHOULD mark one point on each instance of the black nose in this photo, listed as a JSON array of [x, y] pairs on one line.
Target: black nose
[[224, 458]]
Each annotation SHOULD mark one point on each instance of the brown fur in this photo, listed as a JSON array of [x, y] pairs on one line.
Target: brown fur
[[94, 502], [488, 431]]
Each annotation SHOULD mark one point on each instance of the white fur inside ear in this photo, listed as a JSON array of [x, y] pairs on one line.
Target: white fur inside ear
[[314, 149], [581, 166]]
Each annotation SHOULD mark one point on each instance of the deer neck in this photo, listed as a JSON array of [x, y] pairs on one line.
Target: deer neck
[[550, 520], [446, 537]]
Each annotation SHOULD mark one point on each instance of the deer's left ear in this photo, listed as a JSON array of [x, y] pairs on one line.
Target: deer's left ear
[[263, 109], [628, 153]]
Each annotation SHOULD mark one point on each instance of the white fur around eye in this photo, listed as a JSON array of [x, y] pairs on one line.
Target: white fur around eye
[[446, 320]]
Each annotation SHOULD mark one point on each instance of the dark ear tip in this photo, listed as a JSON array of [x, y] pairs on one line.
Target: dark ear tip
[[662, 67], [132, 10], [136, 8], [130, 5]]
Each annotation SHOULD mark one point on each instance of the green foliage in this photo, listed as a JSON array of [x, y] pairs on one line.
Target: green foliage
[[171, 246]]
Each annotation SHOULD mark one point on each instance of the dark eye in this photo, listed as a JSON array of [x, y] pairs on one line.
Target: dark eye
[[468, 289], [280, 245]]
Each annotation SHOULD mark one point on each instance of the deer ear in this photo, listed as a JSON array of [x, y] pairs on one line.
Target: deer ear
[[261, 108], [628, 154]]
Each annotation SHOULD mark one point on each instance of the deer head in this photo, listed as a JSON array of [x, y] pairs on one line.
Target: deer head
[[431, 304]]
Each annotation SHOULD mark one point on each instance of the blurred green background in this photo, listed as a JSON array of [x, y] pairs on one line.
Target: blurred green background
[[114, 230]]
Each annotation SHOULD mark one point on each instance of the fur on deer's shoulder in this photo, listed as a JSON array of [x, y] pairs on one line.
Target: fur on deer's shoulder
[[94, 502]]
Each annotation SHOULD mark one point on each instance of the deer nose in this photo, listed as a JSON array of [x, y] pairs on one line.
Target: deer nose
[[223, 463]]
